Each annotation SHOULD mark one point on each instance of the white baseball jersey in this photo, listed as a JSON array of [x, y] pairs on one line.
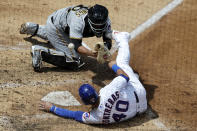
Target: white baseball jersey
[[120, 100]]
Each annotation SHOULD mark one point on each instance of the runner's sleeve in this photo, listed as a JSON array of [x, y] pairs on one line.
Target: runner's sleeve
[[117, 83], [76, 115], [91, 118]]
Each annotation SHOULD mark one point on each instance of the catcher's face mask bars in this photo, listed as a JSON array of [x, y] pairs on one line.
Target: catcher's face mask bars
[[98, 29]]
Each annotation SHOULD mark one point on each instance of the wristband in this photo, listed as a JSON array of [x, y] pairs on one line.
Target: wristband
[[115, 68], [127, 78], [52, 108]]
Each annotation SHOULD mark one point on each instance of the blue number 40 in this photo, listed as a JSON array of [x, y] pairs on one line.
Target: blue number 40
[[121, 106]]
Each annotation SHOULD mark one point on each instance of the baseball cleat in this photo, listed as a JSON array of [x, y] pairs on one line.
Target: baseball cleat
[[81, 64], [23, 29], [116, 35], [29, 28], [36, 60]]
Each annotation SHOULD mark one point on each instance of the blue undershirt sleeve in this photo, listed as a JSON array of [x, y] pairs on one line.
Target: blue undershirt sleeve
[[115, 68], [127, 78], [77, 115]]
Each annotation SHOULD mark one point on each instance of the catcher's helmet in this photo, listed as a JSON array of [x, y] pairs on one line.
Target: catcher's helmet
[[97, 19], [88, 94]]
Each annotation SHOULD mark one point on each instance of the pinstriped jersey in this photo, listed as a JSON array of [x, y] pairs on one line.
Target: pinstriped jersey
[[117, 103]]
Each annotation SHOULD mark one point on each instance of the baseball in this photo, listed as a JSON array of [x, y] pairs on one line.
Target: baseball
[[71, 46]]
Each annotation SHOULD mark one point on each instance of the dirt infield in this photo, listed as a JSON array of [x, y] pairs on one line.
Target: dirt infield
[[164, 55], [168, 60]]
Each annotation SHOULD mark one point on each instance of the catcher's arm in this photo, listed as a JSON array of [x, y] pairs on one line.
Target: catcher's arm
[[81, 49], [84, 51], [107, 42]]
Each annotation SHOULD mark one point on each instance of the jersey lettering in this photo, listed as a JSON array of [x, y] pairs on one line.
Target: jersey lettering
[[111, 101], [108, 107], [80, 10], [114, 97]]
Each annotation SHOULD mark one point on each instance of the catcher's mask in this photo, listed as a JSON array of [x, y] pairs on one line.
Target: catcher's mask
[[97, 19], [88, 94]]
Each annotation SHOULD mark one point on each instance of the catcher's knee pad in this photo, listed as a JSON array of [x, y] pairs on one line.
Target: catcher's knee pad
[[29, 28]]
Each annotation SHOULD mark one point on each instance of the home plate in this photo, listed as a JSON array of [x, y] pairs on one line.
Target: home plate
[[63, 98]]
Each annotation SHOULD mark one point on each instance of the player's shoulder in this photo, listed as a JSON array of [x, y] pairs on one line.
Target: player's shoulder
[[79, 12], [77, 16], [115, 85]]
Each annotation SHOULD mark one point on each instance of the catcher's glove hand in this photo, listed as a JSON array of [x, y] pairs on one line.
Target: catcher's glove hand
[[103, 52]]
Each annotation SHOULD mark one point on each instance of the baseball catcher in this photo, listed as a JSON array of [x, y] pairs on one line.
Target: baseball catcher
[[120, 100], [65, 26]]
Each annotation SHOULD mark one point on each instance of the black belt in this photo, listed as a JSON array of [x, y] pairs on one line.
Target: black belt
[[137, 99]]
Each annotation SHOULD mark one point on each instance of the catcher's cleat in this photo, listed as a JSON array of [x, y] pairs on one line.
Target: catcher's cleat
[[23, 29], [81, 64], [29, 28], [36, 60]]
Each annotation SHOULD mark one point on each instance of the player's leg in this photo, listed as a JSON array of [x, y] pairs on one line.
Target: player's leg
[[34, 29], [65, 55], [57, 58], [122, 60], [60, 40], [123, 57]]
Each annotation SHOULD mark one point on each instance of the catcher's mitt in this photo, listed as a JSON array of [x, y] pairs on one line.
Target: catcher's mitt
[[103, 52]]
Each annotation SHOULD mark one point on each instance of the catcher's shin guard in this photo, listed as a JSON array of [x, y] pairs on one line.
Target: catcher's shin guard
[[36, 59], [53, 57], [29, 28], [60, 61]]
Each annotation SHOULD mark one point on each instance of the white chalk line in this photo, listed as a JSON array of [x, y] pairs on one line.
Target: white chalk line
[[20, 46], [159, 124], [37, 83], [151, 115], [155, 18]]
